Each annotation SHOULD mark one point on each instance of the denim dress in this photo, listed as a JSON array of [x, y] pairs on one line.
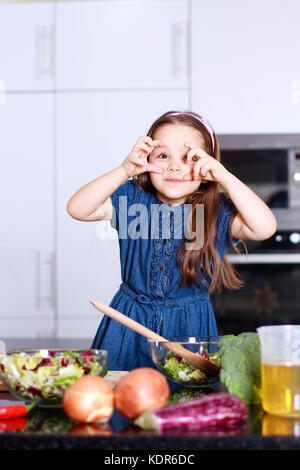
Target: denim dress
[[149, 235]]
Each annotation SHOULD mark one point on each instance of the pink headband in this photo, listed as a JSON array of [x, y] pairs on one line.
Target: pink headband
[[205, 124]]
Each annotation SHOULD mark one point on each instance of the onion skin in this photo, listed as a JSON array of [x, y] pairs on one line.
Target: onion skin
[[142, 389], [89, 400]]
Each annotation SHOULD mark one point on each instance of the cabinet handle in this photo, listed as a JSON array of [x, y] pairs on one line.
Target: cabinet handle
[[2, 92], [44, 281], [49, 282], [179, 54], [295, 97], [52, 280], [38, 275], [45, 52], [265, 258]]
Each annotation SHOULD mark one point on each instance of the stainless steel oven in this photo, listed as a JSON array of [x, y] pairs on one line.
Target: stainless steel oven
[[270, 165]]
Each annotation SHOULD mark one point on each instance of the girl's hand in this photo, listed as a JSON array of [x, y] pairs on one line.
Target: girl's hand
[[205, 168], [136, 162]]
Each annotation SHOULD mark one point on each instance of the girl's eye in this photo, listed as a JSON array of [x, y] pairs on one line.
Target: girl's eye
[[162, 155]]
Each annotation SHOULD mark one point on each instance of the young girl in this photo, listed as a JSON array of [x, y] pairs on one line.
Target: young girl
[[166, 286]]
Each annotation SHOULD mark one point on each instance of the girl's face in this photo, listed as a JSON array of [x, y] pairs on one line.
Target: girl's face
[[171, 157]]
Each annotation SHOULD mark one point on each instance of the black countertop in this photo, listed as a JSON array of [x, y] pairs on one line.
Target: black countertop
[[50, 429]]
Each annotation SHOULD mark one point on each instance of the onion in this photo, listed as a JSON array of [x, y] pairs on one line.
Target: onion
[[89, 400], [140, 390]]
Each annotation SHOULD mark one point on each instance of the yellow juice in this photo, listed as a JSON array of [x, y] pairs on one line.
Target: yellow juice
[[281, 389], [280, 425]]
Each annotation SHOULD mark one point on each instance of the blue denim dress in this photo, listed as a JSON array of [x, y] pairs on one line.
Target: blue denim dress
[[150, 291]]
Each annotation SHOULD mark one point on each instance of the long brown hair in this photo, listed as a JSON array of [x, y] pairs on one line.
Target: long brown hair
[[207, 259]]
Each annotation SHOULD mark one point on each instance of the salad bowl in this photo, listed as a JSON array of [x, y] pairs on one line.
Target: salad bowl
[[41, 376], [177, 369]]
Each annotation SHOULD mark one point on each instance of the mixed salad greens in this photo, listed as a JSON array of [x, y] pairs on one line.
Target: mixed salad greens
[[47, 374], [184, 372]]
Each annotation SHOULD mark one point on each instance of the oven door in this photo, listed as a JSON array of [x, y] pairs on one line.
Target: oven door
[[271, 293]]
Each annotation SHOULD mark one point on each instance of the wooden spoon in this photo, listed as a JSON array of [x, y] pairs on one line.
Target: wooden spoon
[[197, 361]]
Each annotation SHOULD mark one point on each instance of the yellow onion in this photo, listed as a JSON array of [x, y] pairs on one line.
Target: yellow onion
[[89, 400], [140, 390]]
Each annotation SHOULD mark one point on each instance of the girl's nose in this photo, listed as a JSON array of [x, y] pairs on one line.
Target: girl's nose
[[174, 166]]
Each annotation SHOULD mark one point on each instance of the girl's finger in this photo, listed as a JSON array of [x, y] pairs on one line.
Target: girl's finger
[[205, 169], [196, 171], [189, 145], [196, 152], [190, 155], [146, 166], [153, 143], [157, 143], [144, 143], [154, 169], [137, 160], [192, 176], [145, 138], [147, 148]]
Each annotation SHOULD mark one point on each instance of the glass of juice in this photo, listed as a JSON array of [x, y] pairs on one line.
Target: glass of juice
[[280, 369], [273, 425]]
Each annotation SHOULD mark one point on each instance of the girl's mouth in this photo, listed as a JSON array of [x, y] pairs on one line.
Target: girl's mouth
[[173, 180]]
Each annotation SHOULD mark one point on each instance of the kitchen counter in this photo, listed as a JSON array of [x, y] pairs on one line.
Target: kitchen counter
[[50, 429]]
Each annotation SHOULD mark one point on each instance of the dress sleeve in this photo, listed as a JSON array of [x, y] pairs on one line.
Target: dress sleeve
[[226, 212], [121, 199]]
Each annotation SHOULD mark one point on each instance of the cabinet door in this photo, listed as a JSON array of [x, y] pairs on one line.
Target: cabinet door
[[26, 237], [26, 46], [245, 65], [125, 44], [96, 131]]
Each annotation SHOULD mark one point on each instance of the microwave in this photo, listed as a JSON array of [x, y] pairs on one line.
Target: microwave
[[270, 165]]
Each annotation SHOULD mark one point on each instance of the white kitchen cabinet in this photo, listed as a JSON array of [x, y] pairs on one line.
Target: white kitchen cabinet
[[245, 68], [95, 133], [27, 217], [121, 44], [26, 46]]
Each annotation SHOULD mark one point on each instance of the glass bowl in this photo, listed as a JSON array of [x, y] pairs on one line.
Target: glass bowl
[[42, 375], [177, 369]]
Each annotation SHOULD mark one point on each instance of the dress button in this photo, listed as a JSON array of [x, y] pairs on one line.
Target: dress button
[[165, 241], [160, 297], [161, 268]]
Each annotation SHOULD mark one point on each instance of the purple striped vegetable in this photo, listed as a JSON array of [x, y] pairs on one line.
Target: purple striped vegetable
[[214, 409]]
